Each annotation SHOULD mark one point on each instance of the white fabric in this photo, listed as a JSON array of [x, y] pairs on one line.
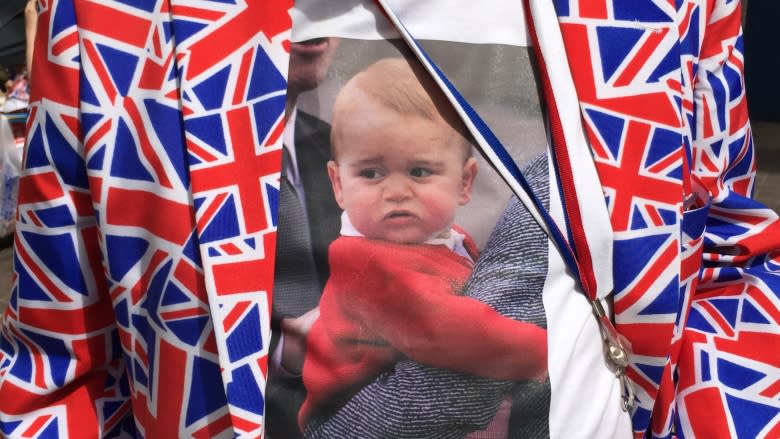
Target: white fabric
[[585, 399], [450, 20]]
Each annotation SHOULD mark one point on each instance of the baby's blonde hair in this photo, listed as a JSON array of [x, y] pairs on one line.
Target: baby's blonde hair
[[402, 86]]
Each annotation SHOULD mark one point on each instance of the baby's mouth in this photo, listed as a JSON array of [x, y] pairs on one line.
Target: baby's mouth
[[399, 214]]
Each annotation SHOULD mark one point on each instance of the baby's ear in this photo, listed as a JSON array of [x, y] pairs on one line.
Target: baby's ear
[[335, 182], [470, 169]]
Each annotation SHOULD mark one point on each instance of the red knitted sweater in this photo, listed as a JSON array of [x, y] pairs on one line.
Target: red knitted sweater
[[386, 301]]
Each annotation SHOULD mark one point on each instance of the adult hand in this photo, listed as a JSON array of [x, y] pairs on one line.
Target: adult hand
[[295, 331]]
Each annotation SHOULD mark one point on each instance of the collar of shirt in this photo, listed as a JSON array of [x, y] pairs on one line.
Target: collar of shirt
[[453, 242]]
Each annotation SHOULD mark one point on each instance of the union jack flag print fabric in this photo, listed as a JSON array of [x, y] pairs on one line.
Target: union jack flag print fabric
[[145, 240], [696, 264], [151, 180]]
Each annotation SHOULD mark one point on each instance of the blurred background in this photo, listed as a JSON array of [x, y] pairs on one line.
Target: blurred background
[[762, 73]]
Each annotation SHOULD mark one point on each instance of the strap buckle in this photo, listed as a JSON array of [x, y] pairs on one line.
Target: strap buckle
[[617, 354]]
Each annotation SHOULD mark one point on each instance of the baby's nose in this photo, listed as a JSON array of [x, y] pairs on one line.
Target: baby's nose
[[397, 188]]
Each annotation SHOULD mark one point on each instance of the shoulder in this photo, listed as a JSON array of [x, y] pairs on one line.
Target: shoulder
[[310, 125]]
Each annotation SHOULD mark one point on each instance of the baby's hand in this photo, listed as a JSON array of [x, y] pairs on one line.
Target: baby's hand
[[295, 331]]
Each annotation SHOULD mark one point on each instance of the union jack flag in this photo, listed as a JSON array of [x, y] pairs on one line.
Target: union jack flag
[[660, 85], [153, 170], [151, 183]]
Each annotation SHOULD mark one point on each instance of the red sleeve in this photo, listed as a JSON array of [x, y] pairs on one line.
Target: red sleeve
[[405, 295]]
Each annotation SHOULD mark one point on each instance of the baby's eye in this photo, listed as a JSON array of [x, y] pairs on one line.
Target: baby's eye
[[420, 172], [369, 173]]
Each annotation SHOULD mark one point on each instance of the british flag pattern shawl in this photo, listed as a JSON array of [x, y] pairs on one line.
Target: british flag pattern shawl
[[147, 216], [662, 96]]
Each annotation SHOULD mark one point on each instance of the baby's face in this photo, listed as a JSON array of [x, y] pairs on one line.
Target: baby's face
[[399, 178]]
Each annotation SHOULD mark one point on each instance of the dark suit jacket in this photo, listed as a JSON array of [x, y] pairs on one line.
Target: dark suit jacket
[[284, 395], [416, 401]]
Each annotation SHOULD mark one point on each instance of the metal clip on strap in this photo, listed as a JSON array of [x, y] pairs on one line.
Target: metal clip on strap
[[616, 353]]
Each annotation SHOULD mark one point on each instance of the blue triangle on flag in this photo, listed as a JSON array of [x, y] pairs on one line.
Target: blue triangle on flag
[[265, 77], [667, 302], [64, 17], [224, 224], [68, 162], [58, 355], [670, 64], [184, 29], [57, 216], [750, 314], [123, 253], [111, 407], [144, 5], [690, 43], [126, 162], [697, 321], [736, 376], [637, 221], [172, 140], [267, 112], [154, 292], [631, 254], [189, 330], [749, 417], [36, 150], [22, 368], [96, 161], [140, 374], [66, 264], [715, 147], [243, 391], [727, 308], [50, 432], [669, 217], [191, 250], [663, 143], [205, 390], [211, 91], [609, 127], [193, 160], [209, 129], [9, 427], [653, 372], [640, 11], [173, 295], [245, 339], [121, 66], [86, 93], [28, 287], [740, 164], [198, 202], [561, 7], [89, 120], [734, 80], [167, 31], [615, 43], [704, 362], [272, 195], [122, 313]]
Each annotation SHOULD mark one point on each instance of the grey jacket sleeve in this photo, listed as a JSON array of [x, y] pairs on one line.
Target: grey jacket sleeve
[[416, 401]]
